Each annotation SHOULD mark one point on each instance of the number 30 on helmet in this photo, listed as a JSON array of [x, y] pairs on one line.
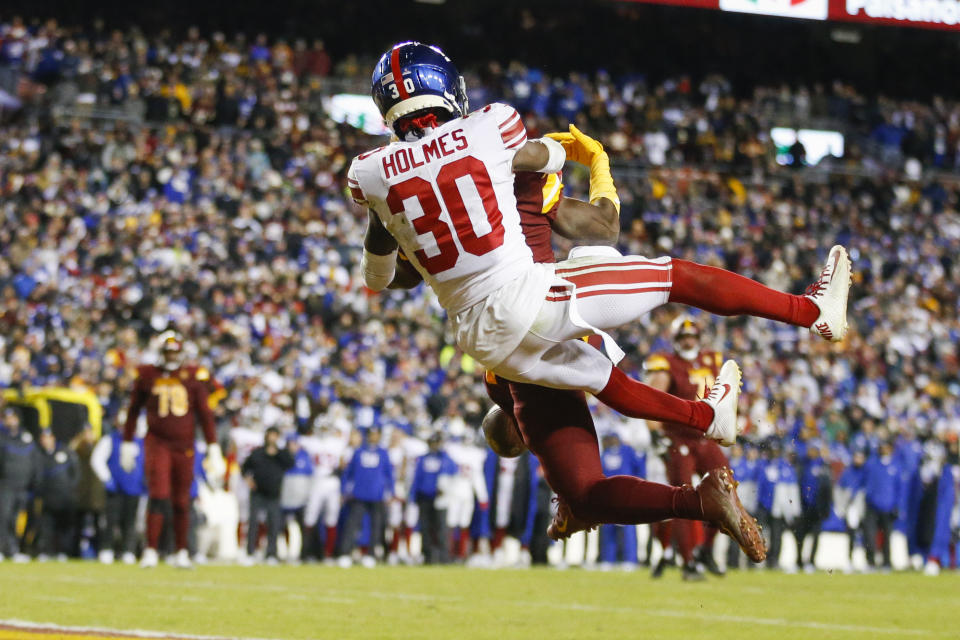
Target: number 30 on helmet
[[413, 77]]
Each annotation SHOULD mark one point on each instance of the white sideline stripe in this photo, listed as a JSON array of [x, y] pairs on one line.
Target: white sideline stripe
[[421, 597], [119, 633]]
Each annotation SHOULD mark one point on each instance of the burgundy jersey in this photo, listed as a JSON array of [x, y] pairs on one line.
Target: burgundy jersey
[[174, 400], [689, 379], [538, 196]]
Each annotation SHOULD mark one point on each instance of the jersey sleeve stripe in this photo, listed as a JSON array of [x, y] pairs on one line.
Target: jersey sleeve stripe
[[508, 136], [357, 195], [517, 142], [510, 120]]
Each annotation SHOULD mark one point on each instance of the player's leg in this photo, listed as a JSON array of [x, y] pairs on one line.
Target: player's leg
[[707, 456], [573, 364], [636, 281], [331, 510], [559, 429], [680, 466], [181, 479], [158, 468]]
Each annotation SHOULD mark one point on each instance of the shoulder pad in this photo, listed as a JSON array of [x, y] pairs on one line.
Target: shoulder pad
[[656, 362], [202, 373]]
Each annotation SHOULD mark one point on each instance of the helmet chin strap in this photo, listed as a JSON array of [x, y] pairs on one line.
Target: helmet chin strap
[[688, 354]]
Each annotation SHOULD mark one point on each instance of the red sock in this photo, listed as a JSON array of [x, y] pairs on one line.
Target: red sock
[[463, 542], [725, 293], [709, 533], [638, 400], [395, 540], [665, 533], [406, 533], [498, 535], [684, 535], [331, 543], [154, 528]]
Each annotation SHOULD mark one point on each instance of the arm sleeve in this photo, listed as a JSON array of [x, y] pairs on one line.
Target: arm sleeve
[[99, 457], [512, 132], [137, 400], [245, 467], [204, 412]]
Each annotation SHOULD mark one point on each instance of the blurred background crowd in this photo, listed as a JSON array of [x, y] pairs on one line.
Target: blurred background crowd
[[194, 180]]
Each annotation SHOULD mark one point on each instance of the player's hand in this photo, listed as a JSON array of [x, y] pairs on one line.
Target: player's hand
[[128, 455], [251, 483], [214, 464], [579, 146]]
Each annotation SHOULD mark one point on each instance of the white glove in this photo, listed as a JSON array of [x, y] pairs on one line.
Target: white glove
[[214, 464], [128, 455]]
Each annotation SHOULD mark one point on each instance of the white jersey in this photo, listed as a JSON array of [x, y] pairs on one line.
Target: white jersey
[[448, 200], [326, 452], [469, 460], [244, 441]]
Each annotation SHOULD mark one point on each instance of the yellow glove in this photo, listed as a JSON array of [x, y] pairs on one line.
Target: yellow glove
[[579, 146], [583, 149]]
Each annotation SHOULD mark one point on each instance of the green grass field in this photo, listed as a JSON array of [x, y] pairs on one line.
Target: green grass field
[[403, 602]]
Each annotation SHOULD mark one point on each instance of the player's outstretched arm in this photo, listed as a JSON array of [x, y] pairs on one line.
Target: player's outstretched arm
[[594, 223], [542, 156], [379, 261], [582, 149]]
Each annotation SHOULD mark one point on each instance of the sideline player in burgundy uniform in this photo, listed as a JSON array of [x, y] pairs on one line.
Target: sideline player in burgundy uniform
[[687, 372], [443, 191], [175, 397]]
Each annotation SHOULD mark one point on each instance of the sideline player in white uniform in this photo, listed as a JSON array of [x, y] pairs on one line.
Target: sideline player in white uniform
[[468, 488], [243, 440], [443, 192], [327, 449], [402, 513]]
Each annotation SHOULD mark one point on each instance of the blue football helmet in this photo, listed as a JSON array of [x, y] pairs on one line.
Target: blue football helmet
[[429, 80]]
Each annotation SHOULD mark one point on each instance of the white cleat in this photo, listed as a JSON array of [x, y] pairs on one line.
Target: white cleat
[[150, 559], [182, 560], [932, 568], [128, 558], [105, 556], [723, 398], [830, 293]]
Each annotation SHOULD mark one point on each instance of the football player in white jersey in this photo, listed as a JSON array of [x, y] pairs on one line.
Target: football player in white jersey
[[468, 488], [327, 448], [443, 192], [243, 440], [402, 513]]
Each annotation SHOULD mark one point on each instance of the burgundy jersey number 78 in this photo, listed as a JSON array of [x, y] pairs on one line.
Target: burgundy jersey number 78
[[431, 222]]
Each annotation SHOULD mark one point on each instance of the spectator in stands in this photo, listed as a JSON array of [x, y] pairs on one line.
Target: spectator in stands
[[263, 471], [429, 478], [20, 465], [367, 485], [56, 488]]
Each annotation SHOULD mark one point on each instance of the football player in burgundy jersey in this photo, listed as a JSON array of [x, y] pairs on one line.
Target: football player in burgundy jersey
[[176, 397], [687, 372]]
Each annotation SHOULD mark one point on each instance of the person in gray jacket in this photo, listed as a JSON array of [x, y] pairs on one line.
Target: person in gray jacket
[[56, 487], [19, 464]]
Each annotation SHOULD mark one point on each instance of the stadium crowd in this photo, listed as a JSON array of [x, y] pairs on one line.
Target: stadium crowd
[[197, 183]]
